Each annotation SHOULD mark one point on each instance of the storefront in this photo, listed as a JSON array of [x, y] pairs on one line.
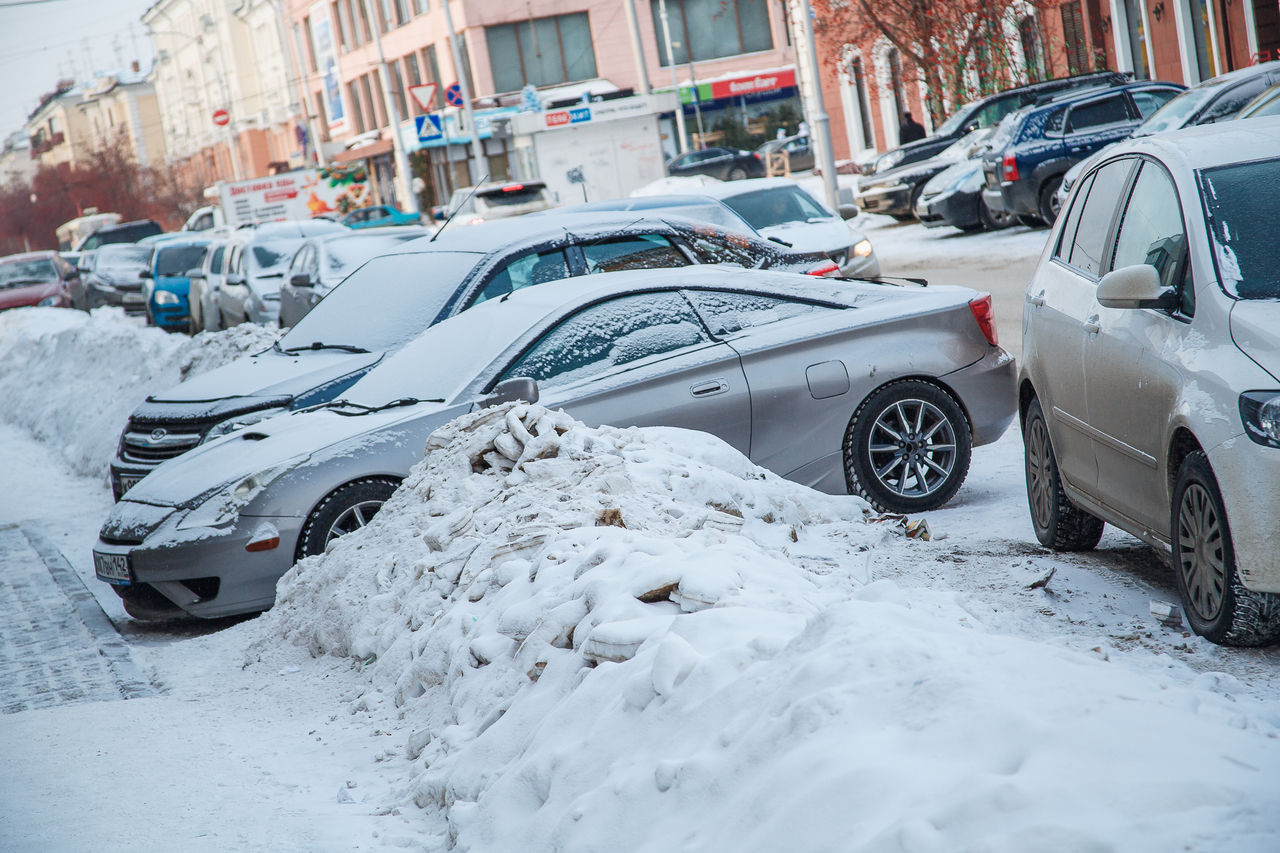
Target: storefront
[[738, 110]]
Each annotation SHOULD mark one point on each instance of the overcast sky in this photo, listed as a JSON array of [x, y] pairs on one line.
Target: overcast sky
[[41, 42]]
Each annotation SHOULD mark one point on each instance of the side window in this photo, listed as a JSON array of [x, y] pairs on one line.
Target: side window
[[1055, 123], [1233, 100], [526, 270], [1097, 114], [609, 335], [641, 252], [719, 250], [1068, 235], [726, 313], [1149, 100], [299, 263], [376, 213], [1095, 218], [1151, 231], [215, 263]]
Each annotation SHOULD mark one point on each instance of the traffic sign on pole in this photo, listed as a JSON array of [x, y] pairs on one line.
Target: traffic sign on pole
[[429, 126], [453, 95], [423, 94], [221, 117]]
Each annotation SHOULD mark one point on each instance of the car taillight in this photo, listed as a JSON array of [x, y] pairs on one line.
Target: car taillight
[[1010, 167], [756, 155], [985, 314], [828, 268]]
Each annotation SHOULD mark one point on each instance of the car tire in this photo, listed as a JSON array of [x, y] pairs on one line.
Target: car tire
[[992, 220], [1029, 221], [1059, 524], [144, 603], [737, 173], [1049, 204], [1218, 606], [907, 447], [344, 509]]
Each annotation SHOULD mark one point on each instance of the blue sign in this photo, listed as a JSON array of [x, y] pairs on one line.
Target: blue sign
[[429, 127], [453, 95], [578, 114]]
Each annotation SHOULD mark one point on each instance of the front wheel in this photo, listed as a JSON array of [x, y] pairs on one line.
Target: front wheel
[[345, 509], [1218, 606], [1059, 524], [907, 448], [737, 173]]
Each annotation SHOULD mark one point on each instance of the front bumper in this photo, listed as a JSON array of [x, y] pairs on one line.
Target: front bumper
[[1247, 474], [894, 200], [856, 267], [958, 209], [988, 392], [170, 316]]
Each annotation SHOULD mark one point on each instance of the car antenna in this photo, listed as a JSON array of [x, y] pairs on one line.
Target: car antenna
[[471, 194]]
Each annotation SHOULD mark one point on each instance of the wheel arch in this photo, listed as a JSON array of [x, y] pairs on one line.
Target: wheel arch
[[1181, 445], [394, 479], [1026, 393]]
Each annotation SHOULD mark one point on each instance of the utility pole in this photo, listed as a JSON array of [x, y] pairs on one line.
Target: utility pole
[[478, 169], [675, 79], [407, 199], [821, 130]]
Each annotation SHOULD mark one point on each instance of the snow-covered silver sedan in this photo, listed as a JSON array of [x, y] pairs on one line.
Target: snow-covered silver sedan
[[873, 389]]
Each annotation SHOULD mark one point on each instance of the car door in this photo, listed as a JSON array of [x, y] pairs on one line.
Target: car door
[[641, 359], [1130, 387], [234, 290], [1097, 123], [1059, 310], [295, 301]]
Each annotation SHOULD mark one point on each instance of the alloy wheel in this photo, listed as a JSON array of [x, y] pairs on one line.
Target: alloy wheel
[[353, 519], [912, 448], [1039, 474], [1200, 555]]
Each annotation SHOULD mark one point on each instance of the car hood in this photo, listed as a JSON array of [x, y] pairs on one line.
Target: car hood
[[830, 235], [268, 374], [1253, 328], [17, 297]]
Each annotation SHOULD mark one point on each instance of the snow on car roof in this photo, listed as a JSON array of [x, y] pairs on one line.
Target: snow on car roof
[[1209, 145], [487, 236]]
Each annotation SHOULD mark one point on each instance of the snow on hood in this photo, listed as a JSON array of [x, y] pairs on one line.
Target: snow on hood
[[1253, 327], [268, 374], [72, 378], [829, 235]]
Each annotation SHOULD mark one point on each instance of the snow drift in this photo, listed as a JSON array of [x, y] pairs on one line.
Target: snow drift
[[603, 639], [72, 378]]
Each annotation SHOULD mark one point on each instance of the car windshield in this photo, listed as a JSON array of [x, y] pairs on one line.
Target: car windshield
[[1242, 204], [176, 260], [346, 255], [116, 258], [393, 298], [966, 146], [271, 258], [1177, 111], [22, 273], [775, 206], [952, 124]]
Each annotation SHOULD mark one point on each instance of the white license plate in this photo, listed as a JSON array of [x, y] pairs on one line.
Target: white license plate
[[127, 482], [112, 568], [133, 299]]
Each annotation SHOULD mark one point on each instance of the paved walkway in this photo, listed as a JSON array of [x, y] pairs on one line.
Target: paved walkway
[[56, 645]]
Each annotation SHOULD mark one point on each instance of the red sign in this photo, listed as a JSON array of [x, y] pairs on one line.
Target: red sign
[[221, 118], [754, 83], [557, 119]]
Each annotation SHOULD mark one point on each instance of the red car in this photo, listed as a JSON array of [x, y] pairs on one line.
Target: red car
[[34, 278]]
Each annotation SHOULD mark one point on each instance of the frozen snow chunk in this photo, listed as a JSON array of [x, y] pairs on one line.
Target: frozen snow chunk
[[706, 586], [490, 647], [619, 641]]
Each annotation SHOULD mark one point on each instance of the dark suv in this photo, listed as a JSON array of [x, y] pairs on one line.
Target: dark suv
[[125, 232], [987, 112], [1028, 156]]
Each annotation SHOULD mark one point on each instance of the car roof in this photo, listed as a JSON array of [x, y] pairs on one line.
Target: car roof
[[1209, 145], [30, 256], [1239, 75], [729, 189], [499, 233]]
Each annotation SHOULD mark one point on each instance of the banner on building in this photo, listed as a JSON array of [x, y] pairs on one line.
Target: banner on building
[[327, 62]]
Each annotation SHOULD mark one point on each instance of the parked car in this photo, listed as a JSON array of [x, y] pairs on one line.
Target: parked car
[[797, 148], [206, 218], [378, 215], [781, 210], [1266, 104], [848, 387], [1024, 168], [124, 232], [166, 283], [202, 298], [322, 262], [112, 275], [696, 207], [497, 200], [896, 191], [35, 278], [255, 266], [986, 112], [726, 164], [394, 297], [1150, 383]]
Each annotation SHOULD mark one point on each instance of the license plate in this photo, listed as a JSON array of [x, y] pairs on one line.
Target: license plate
[[112, 568], [127, 482], [133, 299]]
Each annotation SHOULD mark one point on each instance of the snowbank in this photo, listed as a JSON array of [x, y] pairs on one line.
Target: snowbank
[[603, 639], [72, 378]]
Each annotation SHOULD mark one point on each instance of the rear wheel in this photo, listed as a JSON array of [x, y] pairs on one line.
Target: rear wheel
[[1218, 606], [994, 220], [737, 173], [1059, 524], [1050, 206], [345, 509]]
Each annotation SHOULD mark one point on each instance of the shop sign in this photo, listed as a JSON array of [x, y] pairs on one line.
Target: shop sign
[[747, 84]]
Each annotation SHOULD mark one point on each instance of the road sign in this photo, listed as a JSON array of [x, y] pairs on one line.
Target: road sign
[[423, 94], [221, 117], [453, 95], [429, 126]]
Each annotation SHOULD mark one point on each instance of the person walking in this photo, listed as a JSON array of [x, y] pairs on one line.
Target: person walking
[[910, 130]]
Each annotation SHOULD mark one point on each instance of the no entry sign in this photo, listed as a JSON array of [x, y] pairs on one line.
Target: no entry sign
[[221, 117]]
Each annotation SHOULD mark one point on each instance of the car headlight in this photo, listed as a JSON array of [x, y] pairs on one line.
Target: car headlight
[[166, 297], [1260, 412], [225, 504], [862, 248], [232, 424], [48, 302], [890, 160]]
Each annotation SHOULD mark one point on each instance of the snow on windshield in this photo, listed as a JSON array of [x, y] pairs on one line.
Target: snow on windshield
[[22, 273], [176, 260], [1242, 204], [122, 257]]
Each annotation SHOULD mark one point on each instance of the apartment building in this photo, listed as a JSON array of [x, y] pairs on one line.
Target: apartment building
[[115, 110]]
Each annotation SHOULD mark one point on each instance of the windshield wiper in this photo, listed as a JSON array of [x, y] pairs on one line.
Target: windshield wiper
[[316, 345], [367, 410], [270, 275]]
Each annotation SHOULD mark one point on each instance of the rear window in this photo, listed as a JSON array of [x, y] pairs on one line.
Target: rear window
[[641, 252], [122, 257], [509, 196], [273, 257], [1098, 113], [1242, 205], [177, 260]]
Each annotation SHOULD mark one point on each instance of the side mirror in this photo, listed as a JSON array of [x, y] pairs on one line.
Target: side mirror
[[520, 388], [146, 274], [1137, 286], [300, 279], [234, 278], [195, 272], [849, 211]]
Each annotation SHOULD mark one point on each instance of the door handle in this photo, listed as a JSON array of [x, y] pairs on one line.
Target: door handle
[[1037, 301], [709, 389], [1091, 325]]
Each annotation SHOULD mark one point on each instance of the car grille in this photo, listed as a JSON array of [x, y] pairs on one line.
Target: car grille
[[156, 445]]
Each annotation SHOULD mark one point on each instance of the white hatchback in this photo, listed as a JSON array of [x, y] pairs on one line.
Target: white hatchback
[[1149, 391]]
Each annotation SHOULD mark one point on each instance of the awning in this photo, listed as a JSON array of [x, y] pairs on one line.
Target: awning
[[364, 152]]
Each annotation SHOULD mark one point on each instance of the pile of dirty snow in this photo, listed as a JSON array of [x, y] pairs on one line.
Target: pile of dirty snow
[[72, 378], [594, 639]]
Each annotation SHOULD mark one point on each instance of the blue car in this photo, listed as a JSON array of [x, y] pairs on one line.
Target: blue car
[[168, 282], [377, 215]]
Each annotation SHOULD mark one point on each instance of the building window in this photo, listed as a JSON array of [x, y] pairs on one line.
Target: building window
[[421, 7], [341, 24], [357, 111], [397, 88], [864, 104], [541, 52], [431, 65], [311, 43], [1137, 32], [362, 9], [1073, 38], [710, 29], [1029, 33]]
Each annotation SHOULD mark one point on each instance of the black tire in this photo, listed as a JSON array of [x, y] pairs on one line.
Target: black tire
[[1030, 221], [737, 173], [907, 447], [994, 220], [1049, 204], [343, 510], [1218, 606], [1059, 524], [144, 603]]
